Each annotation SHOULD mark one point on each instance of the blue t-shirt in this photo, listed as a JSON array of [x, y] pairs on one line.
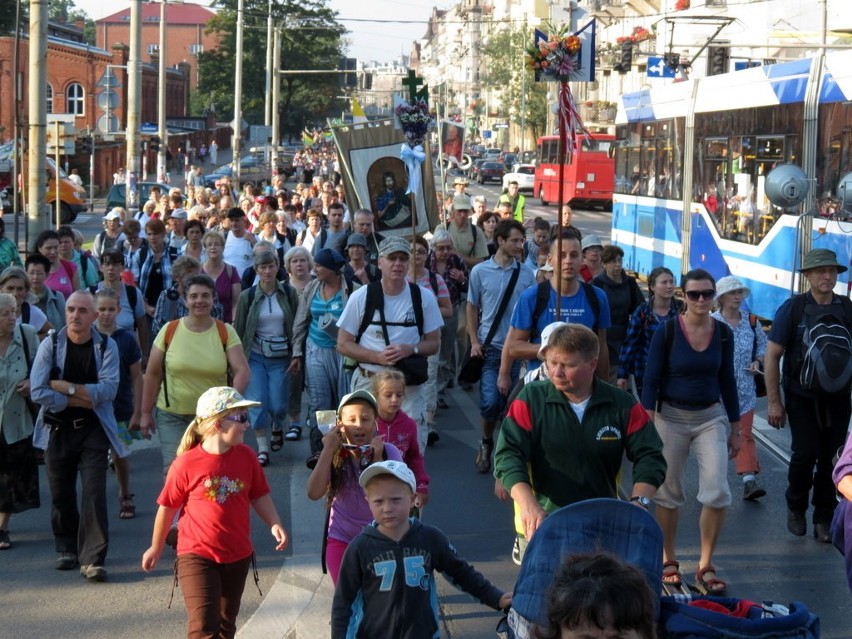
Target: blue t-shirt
[[128, 355], [574, 309], [319, 308]]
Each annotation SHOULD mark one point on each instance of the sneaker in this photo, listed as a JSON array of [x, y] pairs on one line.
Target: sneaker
[[432, 437], [796, 523], [516, 551], [94, 573], [752, 491], [66, 561], [483, 457]]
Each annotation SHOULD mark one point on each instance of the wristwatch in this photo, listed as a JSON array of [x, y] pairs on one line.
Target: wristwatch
[[642, 501], [417, 349], [71, 390]]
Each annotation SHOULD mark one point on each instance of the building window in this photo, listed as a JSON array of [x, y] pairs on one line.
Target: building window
[[49, 98], [195, 49], [75, 99], [153, 49]]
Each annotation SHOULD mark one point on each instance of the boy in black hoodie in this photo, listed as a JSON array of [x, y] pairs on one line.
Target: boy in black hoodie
[[387, 584]]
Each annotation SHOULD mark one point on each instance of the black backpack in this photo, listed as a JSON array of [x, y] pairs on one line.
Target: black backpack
[[542, 297], [824, 360], [375, 301]]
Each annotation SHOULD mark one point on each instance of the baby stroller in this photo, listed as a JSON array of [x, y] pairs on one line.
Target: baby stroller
[[632, 534]]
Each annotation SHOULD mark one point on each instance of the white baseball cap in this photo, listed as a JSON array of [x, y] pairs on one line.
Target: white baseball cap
[[549, 330], [397, 469]]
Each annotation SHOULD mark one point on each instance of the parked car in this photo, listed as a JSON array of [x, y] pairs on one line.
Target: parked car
[[252, 170], [117, 194], [285, 158], [474, 169], [491, 171], [523, 174]]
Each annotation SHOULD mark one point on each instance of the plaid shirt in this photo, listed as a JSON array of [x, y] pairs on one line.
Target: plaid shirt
[[634, 352], [165, 268], [457, 289]]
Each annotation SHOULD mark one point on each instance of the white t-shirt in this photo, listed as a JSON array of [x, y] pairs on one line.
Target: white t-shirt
[[398, 310], [237, 252], [37, 318]]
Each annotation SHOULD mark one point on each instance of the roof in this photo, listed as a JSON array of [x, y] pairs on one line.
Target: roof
[[175, 14]]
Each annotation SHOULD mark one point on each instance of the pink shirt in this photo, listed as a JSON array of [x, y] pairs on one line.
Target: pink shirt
[[62, 279]]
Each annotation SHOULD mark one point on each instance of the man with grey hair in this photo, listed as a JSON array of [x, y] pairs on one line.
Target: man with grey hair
[[362, 223]]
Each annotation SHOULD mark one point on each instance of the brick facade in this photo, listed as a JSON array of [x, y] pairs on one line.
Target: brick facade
[[185, 26]]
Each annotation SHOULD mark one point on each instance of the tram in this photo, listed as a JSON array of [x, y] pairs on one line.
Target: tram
[[693, 161]]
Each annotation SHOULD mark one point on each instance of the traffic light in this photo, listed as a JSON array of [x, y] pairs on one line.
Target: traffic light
[[84, 146], [154, 143], [623, 66], [718, 60]]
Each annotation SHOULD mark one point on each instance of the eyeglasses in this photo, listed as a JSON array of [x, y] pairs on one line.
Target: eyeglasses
[[242, 418], [421, 252], [694, 296]]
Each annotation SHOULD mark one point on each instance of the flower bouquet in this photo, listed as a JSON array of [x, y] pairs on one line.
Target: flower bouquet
[[556, 59], [416, 121]]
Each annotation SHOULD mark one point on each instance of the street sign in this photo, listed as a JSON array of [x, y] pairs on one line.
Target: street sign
[[107, 100], [501, 125], [107, 125], [109, 80], [657, 68], [147, 127], [66, 131]]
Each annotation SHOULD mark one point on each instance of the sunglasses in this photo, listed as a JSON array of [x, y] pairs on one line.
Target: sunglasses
[[240, 419], [363, 451], [694, 296]]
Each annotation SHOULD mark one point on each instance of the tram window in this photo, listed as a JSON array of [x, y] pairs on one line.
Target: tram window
[[716, 147], [770, 148], [649, 131]]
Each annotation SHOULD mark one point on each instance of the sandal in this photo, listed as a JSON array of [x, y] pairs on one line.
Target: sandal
[[294, 433], [127, 509], [263, 458], [712, 586], [276, 442], [674, 578], [5, 542]]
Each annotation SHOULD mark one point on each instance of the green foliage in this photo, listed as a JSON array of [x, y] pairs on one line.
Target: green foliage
[[7, 16], [524, 98], [311, 39]]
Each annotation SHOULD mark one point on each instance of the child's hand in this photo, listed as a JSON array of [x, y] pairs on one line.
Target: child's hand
[[150, 559], [506, 601], [333, 438], [280, 536], [378, 445]]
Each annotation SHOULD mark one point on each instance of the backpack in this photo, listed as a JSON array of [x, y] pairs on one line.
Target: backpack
[[289, 292], [825, 354], [171, 328], [375, 301], [542, 297]]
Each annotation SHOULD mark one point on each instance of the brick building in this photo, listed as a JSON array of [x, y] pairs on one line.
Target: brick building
[[185, 33], [74, 71]]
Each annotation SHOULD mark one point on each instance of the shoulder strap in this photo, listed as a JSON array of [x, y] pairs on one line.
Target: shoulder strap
[[132, 298], [374, 298], [433, 282], [542, 297], [223, 334], [797, 311], [26, 347], [417, 303], [473, 235], [251, 293], [504, 304], [84, 266], [594, 302], [25, 313]]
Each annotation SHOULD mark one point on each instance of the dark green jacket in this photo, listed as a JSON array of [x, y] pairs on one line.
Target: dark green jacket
[[543, 444]]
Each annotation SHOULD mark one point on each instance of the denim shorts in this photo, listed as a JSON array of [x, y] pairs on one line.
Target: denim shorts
[[491, 401]]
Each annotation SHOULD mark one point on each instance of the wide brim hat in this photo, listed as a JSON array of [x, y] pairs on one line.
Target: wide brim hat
[[819, 258], [729, 284], [462, 203], [461, 181]]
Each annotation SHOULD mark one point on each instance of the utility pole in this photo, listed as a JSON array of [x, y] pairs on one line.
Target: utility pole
[[161, 102], [267, 113], [238, 93], [276, 95], [134, 102], [38, 216]]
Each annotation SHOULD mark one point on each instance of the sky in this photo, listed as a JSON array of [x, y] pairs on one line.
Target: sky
[[373, 33]]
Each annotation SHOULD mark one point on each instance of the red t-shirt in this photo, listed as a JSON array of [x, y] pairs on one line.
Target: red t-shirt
[[215, 494]]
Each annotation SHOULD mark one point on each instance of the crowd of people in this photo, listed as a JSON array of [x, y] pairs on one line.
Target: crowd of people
[[209, 313]]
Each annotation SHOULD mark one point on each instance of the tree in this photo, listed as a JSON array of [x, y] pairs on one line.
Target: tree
[[311, 39], [524, 99], [7, 16]]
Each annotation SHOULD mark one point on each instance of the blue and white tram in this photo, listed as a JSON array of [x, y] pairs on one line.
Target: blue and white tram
[[691, 165]]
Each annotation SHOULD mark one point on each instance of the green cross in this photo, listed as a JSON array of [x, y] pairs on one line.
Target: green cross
[[412, 82]]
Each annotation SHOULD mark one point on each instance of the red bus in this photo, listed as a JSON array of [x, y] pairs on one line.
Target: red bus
[[589, 177]]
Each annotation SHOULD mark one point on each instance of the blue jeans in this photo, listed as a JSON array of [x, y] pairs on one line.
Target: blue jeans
[[269, 386], [491, 401]]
